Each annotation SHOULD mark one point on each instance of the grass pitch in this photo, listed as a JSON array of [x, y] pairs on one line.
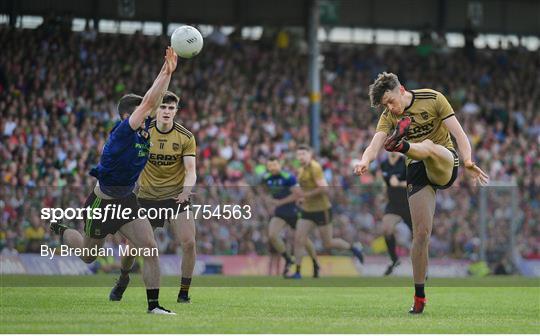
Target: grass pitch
[[49, 304]]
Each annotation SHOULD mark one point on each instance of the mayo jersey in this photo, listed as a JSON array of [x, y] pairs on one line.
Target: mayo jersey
[[307, 178], [123, 158], [280, 186], [428, 110], [163, 176]]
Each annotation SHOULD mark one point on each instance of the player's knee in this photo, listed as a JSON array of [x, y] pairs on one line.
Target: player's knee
[[427, 142], [149, 244], [273, 236], [188, 245], [429, 145], [421, 236], [327, 244], [387, 230]]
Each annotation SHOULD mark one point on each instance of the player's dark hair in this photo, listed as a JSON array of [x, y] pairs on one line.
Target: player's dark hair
[[304, 147], [385, 81], [273, 158], [170, 97], [128, 103]]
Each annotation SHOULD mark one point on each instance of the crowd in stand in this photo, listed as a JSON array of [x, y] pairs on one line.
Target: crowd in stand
[[246, 100]]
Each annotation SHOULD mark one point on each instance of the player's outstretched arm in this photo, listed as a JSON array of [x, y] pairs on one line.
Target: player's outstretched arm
[[464, 147], [370, 153], [154, 95]]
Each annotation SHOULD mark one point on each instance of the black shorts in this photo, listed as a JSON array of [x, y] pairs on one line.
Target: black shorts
[[320, 218], [401, 210], [156, 216], [290, 220], [100, 228], [417, 176]]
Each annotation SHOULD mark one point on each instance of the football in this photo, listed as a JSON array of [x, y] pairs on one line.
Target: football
[[186, 41]]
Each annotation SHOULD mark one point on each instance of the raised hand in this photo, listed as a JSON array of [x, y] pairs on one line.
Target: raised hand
[[171, 60], [476, 174]]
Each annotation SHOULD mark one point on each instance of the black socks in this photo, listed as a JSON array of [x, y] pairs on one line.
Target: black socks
[[391, 244], [184, 287], [152, 296], [419, 290], [405, 147]]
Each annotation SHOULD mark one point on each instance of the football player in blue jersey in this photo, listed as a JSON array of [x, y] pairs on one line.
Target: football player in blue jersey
[[123, 158], [281, 185]]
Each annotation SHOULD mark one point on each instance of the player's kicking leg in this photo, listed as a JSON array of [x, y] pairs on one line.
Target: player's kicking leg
[[183, 232], [139, 232], [438, 160], [389, 222]]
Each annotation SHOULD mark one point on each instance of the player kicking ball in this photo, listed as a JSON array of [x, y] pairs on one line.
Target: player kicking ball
[[123, 158], [315, 210], [394, 172], [281, 186], [165, 186], [422, 121]]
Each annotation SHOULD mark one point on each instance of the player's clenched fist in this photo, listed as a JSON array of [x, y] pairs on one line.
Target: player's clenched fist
[[360, 167]]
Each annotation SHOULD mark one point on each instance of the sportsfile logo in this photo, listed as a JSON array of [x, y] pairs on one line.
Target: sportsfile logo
[[119, 212], [110, 211]]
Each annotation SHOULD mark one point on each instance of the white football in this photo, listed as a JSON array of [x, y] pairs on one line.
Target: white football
[[186, 41]]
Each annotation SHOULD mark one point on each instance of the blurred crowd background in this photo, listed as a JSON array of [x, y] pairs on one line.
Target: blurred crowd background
[[246, 100]]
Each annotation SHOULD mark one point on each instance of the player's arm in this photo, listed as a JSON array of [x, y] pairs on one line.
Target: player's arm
[[289, 199], [152, 98], [191, 173], [266, 193], [464, 147], [370, 153], [189, 179], [322, 187], [446, 113], [188, 158]]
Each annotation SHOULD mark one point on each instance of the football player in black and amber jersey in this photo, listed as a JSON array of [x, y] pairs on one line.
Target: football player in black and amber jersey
[[165, 184], [315, 210], [422, 121]]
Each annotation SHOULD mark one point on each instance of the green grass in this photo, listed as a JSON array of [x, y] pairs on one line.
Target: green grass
[[272, 305]]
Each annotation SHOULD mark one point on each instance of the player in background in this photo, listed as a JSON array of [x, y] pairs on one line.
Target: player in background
[[166, 184], [282, 185], [315, 209], [423, 121], [123, 158], [394, 172]]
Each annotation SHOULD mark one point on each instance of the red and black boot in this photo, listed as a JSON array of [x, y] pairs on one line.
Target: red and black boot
[[395, 142], [418, 305]]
